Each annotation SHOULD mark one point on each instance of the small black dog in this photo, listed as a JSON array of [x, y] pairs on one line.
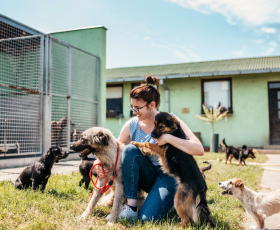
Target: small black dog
[[39, 173], [85, 168], [190, 200], [237, 153]]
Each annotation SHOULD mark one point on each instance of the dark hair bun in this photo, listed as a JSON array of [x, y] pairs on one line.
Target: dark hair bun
[[152, 80]]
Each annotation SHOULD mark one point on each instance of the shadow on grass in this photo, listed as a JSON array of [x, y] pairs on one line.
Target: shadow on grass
[[173, 220], [61, 195]]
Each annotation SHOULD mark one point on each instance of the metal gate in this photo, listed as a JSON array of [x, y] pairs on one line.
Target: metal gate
[[73, 86], [21, 82]]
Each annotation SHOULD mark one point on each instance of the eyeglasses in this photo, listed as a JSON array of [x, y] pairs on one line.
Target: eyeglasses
[[135, 109]]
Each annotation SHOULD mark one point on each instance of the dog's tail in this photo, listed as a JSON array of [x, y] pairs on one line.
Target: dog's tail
[[207, 167], [244, 147], [203, 212]]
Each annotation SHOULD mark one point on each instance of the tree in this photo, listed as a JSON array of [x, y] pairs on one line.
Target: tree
[[213, 115]]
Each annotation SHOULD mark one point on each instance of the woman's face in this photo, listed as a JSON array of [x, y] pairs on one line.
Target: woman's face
[[145, 110]]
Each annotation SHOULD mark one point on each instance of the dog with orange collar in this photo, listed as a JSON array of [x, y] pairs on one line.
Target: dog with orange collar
[[102, 143]]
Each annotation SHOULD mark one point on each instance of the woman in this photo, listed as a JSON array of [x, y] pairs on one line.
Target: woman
[[145, 172]]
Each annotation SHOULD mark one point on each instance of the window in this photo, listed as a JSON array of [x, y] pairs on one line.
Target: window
[[114, 96], [217, 92]]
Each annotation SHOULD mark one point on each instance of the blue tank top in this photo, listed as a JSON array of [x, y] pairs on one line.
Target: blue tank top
[[136, 134]]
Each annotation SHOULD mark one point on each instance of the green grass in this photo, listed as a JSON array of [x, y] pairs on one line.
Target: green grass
[[64, 201]]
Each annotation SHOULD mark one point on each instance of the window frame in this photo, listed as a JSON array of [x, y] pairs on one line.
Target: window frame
[[216, 79], [114, 85]]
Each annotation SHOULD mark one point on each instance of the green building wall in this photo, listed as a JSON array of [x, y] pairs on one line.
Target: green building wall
[[248, 125], [93, 40]]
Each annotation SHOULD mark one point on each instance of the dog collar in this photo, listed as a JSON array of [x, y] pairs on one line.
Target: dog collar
[[105, 187]]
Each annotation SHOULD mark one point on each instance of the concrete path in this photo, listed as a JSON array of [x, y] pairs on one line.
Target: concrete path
[[270, 181], [60, 167]]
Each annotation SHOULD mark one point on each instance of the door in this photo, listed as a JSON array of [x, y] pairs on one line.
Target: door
[[274, 112]]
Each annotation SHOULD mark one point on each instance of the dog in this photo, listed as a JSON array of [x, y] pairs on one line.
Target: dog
[[190, 199], [84, 169], [39, 173], [258, 205], [102, 143], [58, 135], [237, 153], [57, 131]]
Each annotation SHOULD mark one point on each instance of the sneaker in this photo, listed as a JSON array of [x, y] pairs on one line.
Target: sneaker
[[126, 213]]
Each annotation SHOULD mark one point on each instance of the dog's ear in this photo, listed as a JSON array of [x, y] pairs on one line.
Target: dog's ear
[[239, 184], [101, 138], [176, 121], [49, 156]]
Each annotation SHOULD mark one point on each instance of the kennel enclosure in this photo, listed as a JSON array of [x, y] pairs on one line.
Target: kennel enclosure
[[49, 90]]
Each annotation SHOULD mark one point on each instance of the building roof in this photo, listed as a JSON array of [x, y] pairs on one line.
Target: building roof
[[82, 28], [196, 69]]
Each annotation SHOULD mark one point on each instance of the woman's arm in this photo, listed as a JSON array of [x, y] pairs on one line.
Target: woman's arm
[[124, 136], [191, 146]]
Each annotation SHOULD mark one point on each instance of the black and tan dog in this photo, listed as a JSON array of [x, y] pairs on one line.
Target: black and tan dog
[[237, 153], [39, 173], [84, 169], [190, 200]]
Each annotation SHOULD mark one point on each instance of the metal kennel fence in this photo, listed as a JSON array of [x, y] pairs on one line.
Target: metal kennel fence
[[74, 80], [48, 90], [21, 76]]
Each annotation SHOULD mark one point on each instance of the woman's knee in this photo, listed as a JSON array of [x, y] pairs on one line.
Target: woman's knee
[[129, 153]]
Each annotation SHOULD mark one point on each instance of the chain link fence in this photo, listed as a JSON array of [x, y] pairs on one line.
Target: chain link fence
[[74, 90], [21, 73]]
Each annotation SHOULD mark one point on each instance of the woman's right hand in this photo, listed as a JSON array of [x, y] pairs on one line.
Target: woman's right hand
[[99, 169]]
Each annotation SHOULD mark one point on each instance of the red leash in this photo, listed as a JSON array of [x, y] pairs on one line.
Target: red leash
[[105, 187]]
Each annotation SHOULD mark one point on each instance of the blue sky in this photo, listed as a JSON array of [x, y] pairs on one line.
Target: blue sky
[[152, 32]]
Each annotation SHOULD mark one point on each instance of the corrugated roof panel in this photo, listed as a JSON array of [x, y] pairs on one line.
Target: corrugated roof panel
[[245, 64]]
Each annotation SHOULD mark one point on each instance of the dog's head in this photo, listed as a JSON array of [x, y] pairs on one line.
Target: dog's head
[[54, 154], [92, 141], [232, 187], [63, 122], [164, 123], [250, 153]]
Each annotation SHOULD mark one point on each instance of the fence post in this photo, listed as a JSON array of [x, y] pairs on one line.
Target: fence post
[[46, 140], [69, 97]]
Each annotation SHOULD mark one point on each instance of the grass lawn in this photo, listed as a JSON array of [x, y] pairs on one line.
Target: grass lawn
[[64, 201]]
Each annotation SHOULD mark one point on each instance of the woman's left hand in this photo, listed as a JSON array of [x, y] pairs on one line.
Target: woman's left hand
[[163, 139]]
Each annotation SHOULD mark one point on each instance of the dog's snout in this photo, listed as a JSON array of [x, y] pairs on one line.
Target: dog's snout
[[220, 183]]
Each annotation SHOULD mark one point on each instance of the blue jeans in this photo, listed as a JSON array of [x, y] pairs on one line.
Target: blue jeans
[[138, 170]]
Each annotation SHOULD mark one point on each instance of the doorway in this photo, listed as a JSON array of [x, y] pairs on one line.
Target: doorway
[[274, 112]]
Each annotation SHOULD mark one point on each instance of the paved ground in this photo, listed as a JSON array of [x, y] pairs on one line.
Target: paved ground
[[61, 167], [270, 181]]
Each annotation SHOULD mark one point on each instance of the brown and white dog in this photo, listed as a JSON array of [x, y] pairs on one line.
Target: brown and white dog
[[102, 143], [258, 205]]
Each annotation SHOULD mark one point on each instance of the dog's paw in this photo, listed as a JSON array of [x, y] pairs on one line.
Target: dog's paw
[[110, 224], [255, 227], [134, 143], [83, 216]]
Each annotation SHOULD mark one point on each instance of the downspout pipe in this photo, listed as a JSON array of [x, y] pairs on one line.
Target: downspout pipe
[[166, 95]]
